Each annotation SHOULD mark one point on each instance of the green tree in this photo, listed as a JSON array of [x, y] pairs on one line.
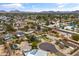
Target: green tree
[[1, 41], [75, 37], [9, 28], [34, 45], [25, 28]]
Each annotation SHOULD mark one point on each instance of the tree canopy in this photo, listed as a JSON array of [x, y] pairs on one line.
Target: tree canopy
[[75, 37]]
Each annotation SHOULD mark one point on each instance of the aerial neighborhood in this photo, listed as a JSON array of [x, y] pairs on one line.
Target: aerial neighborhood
[[39, 34]]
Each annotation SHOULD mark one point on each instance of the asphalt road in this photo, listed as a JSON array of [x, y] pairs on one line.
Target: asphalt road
[[67, 31]]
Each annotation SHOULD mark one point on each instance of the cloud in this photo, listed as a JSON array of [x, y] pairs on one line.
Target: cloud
[[61, 6], [75, 8], [12, 6], [39, 1], [39, 7]]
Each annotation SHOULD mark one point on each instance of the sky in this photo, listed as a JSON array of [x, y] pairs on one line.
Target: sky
[[37, 7]]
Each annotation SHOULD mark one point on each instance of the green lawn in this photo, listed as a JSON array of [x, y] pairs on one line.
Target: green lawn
[[46, 39]]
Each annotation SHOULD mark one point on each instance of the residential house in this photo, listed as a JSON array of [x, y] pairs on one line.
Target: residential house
[[7, 37], [36, 52]]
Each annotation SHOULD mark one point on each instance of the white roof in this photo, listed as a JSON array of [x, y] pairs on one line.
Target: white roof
[[50, 26], [68, 27], [37, 53], [41, 53]]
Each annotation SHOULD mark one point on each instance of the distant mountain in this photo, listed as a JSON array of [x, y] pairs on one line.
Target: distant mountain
[[2, 11], [52, 12], [77, 11], [60, 12], [56, 12], [47, 11], [14, 11]]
